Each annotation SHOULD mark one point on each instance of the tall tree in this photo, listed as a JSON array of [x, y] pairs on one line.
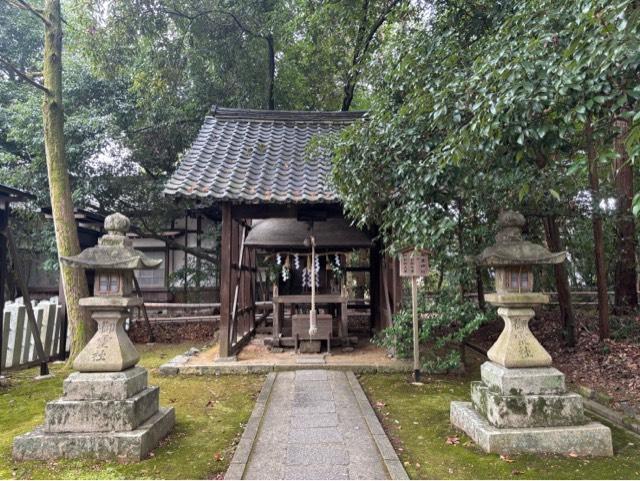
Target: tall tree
[[74, 280], [519, 93], [626, 276]]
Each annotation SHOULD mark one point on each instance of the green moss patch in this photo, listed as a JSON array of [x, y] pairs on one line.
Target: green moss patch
[[210, 412], [416, 419]]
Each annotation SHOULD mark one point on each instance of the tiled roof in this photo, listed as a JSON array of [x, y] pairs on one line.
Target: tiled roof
[[259, 156], [14, 195]]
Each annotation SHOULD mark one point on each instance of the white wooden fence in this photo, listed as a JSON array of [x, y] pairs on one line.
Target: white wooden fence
[[18, 347]]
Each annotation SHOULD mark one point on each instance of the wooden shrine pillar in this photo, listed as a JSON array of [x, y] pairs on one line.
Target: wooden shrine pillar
[[226, 292], [4, 221], [375, 270]]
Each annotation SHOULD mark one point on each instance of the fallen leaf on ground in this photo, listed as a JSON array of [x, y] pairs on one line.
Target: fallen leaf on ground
[[453, 440], [506, 458]]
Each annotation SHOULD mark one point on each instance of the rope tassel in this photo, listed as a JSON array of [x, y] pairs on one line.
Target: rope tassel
[[313, 321]]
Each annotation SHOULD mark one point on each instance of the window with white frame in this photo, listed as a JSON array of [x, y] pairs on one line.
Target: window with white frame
[[152, 277]]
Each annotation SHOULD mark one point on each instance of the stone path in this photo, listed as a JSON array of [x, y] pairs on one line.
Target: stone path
[[314, 424]]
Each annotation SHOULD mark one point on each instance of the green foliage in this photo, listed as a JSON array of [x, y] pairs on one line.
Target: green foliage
[[625, 328], [446, 321], [139, 77], [484, 110]]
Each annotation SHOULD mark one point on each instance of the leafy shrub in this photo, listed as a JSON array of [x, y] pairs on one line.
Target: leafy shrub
[[446, 321], [625, 328]]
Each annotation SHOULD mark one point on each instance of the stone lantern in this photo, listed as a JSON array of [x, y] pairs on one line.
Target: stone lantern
[[521, 404], [108, 411]]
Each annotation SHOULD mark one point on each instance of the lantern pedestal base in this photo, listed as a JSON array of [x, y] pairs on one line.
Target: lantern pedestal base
[[125, 446], [106, 415], [528, 411], [592, 439]]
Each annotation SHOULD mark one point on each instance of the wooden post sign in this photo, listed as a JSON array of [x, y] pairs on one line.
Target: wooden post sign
[[414, 263]]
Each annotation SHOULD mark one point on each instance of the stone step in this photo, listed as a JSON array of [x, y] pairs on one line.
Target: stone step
[[522, 381], [105, 386], [65, 415], [533, 410], [125, 446]]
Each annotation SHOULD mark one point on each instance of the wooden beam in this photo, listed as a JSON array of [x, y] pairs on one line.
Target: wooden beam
[[244, 268], [265, 211], [225, 280]]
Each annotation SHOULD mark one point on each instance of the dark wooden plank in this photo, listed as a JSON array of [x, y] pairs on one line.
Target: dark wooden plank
[[374, 281], [4, 218], [225, 280]]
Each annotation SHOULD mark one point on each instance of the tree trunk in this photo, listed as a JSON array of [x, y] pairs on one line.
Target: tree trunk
[[74, 281], [598, 234], [626, 278], [460, 235], [349, 89], [271, 104], [480, 289], [567, 315], [482, 304]]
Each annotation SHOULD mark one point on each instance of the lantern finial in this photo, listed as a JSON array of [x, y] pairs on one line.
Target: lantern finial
[[117, 224]]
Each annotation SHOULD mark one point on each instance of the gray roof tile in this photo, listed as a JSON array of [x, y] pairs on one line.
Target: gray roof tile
[[259, 156]]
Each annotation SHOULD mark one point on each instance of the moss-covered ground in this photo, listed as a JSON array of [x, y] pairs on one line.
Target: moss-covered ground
[[210, 415], [416, 419], [211, 412]]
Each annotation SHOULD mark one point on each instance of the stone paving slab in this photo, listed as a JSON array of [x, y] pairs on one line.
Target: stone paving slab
[[314, 424]]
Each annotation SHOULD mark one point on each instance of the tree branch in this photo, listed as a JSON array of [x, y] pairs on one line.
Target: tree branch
[[206, 13], [199, 252], [23, 5], [10, 68], [376, 26], [240, 25]]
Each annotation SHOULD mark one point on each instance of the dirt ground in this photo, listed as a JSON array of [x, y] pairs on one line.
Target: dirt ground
[[256, 352], [610, 367]]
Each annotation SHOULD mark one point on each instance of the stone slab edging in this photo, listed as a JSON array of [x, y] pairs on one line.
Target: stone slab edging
[[178, 366], [244, 447], [628, 423], [389, 457]]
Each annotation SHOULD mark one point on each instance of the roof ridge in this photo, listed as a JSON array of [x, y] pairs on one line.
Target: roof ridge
[[223, 113]]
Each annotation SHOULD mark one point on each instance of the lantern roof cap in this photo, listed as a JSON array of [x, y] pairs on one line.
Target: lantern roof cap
[[510, 249], [114, 250]]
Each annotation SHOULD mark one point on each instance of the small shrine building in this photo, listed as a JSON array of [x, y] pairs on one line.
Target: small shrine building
[[273, 190]]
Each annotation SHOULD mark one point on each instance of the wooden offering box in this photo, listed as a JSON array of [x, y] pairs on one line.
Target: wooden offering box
[[300, 328]]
